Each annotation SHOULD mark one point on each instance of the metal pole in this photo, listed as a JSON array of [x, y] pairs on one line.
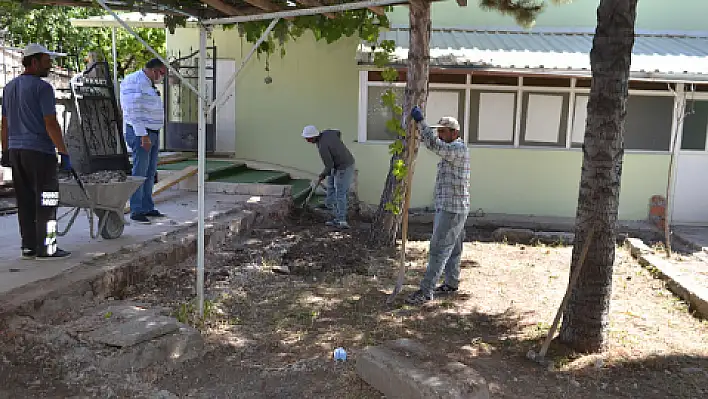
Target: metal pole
[[243, 63], [302, 12], [115, 61], [201, 165], [147, 46]]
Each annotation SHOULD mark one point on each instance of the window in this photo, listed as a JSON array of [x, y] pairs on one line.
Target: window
[[446, 103], [579, 119], [378, 114], [648, 123], [495, 114], [440, 103], [695, 126], [536, 111], [544, 119]]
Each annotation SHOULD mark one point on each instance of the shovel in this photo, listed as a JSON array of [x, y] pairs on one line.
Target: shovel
[[312, 192]]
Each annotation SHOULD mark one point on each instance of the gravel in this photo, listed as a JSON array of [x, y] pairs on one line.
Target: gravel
[[103, 177]]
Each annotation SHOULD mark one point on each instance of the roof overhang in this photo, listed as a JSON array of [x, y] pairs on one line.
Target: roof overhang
[[133, 19], [665, 57], [206, 10]]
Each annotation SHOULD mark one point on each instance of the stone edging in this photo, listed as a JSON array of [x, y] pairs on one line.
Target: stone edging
[[110, 274], [677, 282]]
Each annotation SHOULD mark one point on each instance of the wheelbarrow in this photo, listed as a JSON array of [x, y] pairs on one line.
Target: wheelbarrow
[[106, 201]]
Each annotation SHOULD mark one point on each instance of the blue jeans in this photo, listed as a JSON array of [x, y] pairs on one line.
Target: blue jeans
[[338, 183], [145, 165], [445, 250]]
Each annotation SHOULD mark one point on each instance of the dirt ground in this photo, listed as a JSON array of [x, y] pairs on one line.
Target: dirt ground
[[271, 334]]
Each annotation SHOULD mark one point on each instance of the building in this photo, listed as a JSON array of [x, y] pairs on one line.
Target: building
[[520, 97]]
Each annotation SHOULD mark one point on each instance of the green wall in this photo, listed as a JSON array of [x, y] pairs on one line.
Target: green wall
[[651, 15], [317, 84]]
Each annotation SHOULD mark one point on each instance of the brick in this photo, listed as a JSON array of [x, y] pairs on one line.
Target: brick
[[406, 369]]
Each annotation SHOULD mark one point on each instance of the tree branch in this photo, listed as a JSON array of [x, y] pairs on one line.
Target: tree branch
[[524, 11]]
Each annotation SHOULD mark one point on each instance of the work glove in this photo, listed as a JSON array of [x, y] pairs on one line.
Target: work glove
[[417, 114], [65, 162], [5, 160]]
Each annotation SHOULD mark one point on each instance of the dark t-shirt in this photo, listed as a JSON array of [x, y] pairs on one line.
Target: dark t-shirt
[[27, 99]]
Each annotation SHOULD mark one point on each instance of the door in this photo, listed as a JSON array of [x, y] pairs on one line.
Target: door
[[181, 103], [226, 109], [691, 189]]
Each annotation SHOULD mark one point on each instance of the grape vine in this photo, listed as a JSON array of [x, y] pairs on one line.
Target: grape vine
[[364, 23], [389, 74]]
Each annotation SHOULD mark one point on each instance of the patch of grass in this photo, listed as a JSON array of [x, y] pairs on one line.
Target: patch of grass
[[188, 313]]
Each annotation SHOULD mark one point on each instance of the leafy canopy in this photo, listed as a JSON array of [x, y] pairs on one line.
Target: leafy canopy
[[51, 27]]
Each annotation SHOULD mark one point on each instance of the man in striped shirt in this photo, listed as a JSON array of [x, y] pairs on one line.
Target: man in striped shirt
[[144, 114], [452, 203]]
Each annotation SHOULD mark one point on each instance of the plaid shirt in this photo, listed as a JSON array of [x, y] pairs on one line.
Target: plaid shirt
[[452, 182]]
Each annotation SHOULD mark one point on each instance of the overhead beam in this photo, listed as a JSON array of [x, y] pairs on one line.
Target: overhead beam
[[316, 3], [304, 11], [380, 10], [227, 9], [264, 5], [147, 7]]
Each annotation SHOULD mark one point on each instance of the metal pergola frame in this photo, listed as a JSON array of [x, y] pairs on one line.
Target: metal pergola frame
[[206, 106]]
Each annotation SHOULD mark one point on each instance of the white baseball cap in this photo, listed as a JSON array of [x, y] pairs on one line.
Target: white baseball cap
[[448, 122], [34, 48], [310, 131]]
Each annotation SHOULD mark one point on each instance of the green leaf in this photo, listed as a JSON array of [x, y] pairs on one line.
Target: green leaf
[[382, 60], [392, 125], [389, 75], [399, 169], [396, 148], [388, 98]]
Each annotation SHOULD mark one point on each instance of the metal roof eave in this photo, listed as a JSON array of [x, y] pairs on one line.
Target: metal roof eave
[[661, 57], [570, 73]]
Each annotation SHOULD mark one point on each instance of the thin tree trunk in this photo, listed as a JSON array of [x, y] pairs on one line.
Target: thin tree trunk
[[585, 319], [385, 226]]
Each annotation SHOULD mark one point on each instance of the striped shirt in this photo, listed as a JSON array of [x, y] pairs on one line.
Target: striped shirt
[[452, 182], [141, 103]]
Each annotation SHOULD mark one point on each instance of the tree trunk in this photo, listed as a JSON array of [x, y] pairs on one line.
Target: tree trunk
[[385, 225], [585, 319]]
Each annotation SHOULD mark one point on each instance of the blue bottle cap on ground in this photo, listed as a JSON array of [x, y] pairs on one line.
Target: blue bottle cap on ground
[[340, 354]]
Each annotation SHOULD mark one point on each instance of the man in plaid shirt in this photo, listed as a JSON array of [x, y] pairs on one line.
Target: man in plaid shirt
[[452, 203]]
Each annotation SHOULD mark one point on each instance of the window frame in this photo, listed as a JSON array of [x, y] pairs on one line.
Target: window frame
[[520, 89], [696, 96]]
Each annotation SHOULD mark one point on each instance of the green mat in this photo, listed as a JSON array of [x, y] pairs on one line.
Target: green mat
[[251, 176], [211, 165]]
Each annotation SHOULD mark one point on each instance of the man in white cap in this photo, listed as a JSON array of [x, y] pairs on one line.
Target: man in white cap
[[452, 203], [31, 137], [338, 170]]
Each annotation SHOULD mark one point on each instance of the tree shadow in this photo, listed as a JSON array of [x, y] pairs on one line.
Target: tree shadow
[[277, 332], [286, 327]]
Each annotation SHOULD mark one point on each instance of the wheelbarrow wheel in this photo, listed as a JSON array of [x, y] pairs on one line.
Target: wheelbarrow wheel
[[114, 224]]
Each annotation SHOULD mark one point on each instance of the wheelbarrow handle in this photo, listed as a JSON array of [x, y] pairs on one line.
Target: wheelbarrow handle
[[78, 181]]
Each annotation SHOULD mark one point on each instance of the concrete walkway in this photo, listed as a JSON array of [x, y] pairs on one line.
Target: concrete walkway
[[180, 207]]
